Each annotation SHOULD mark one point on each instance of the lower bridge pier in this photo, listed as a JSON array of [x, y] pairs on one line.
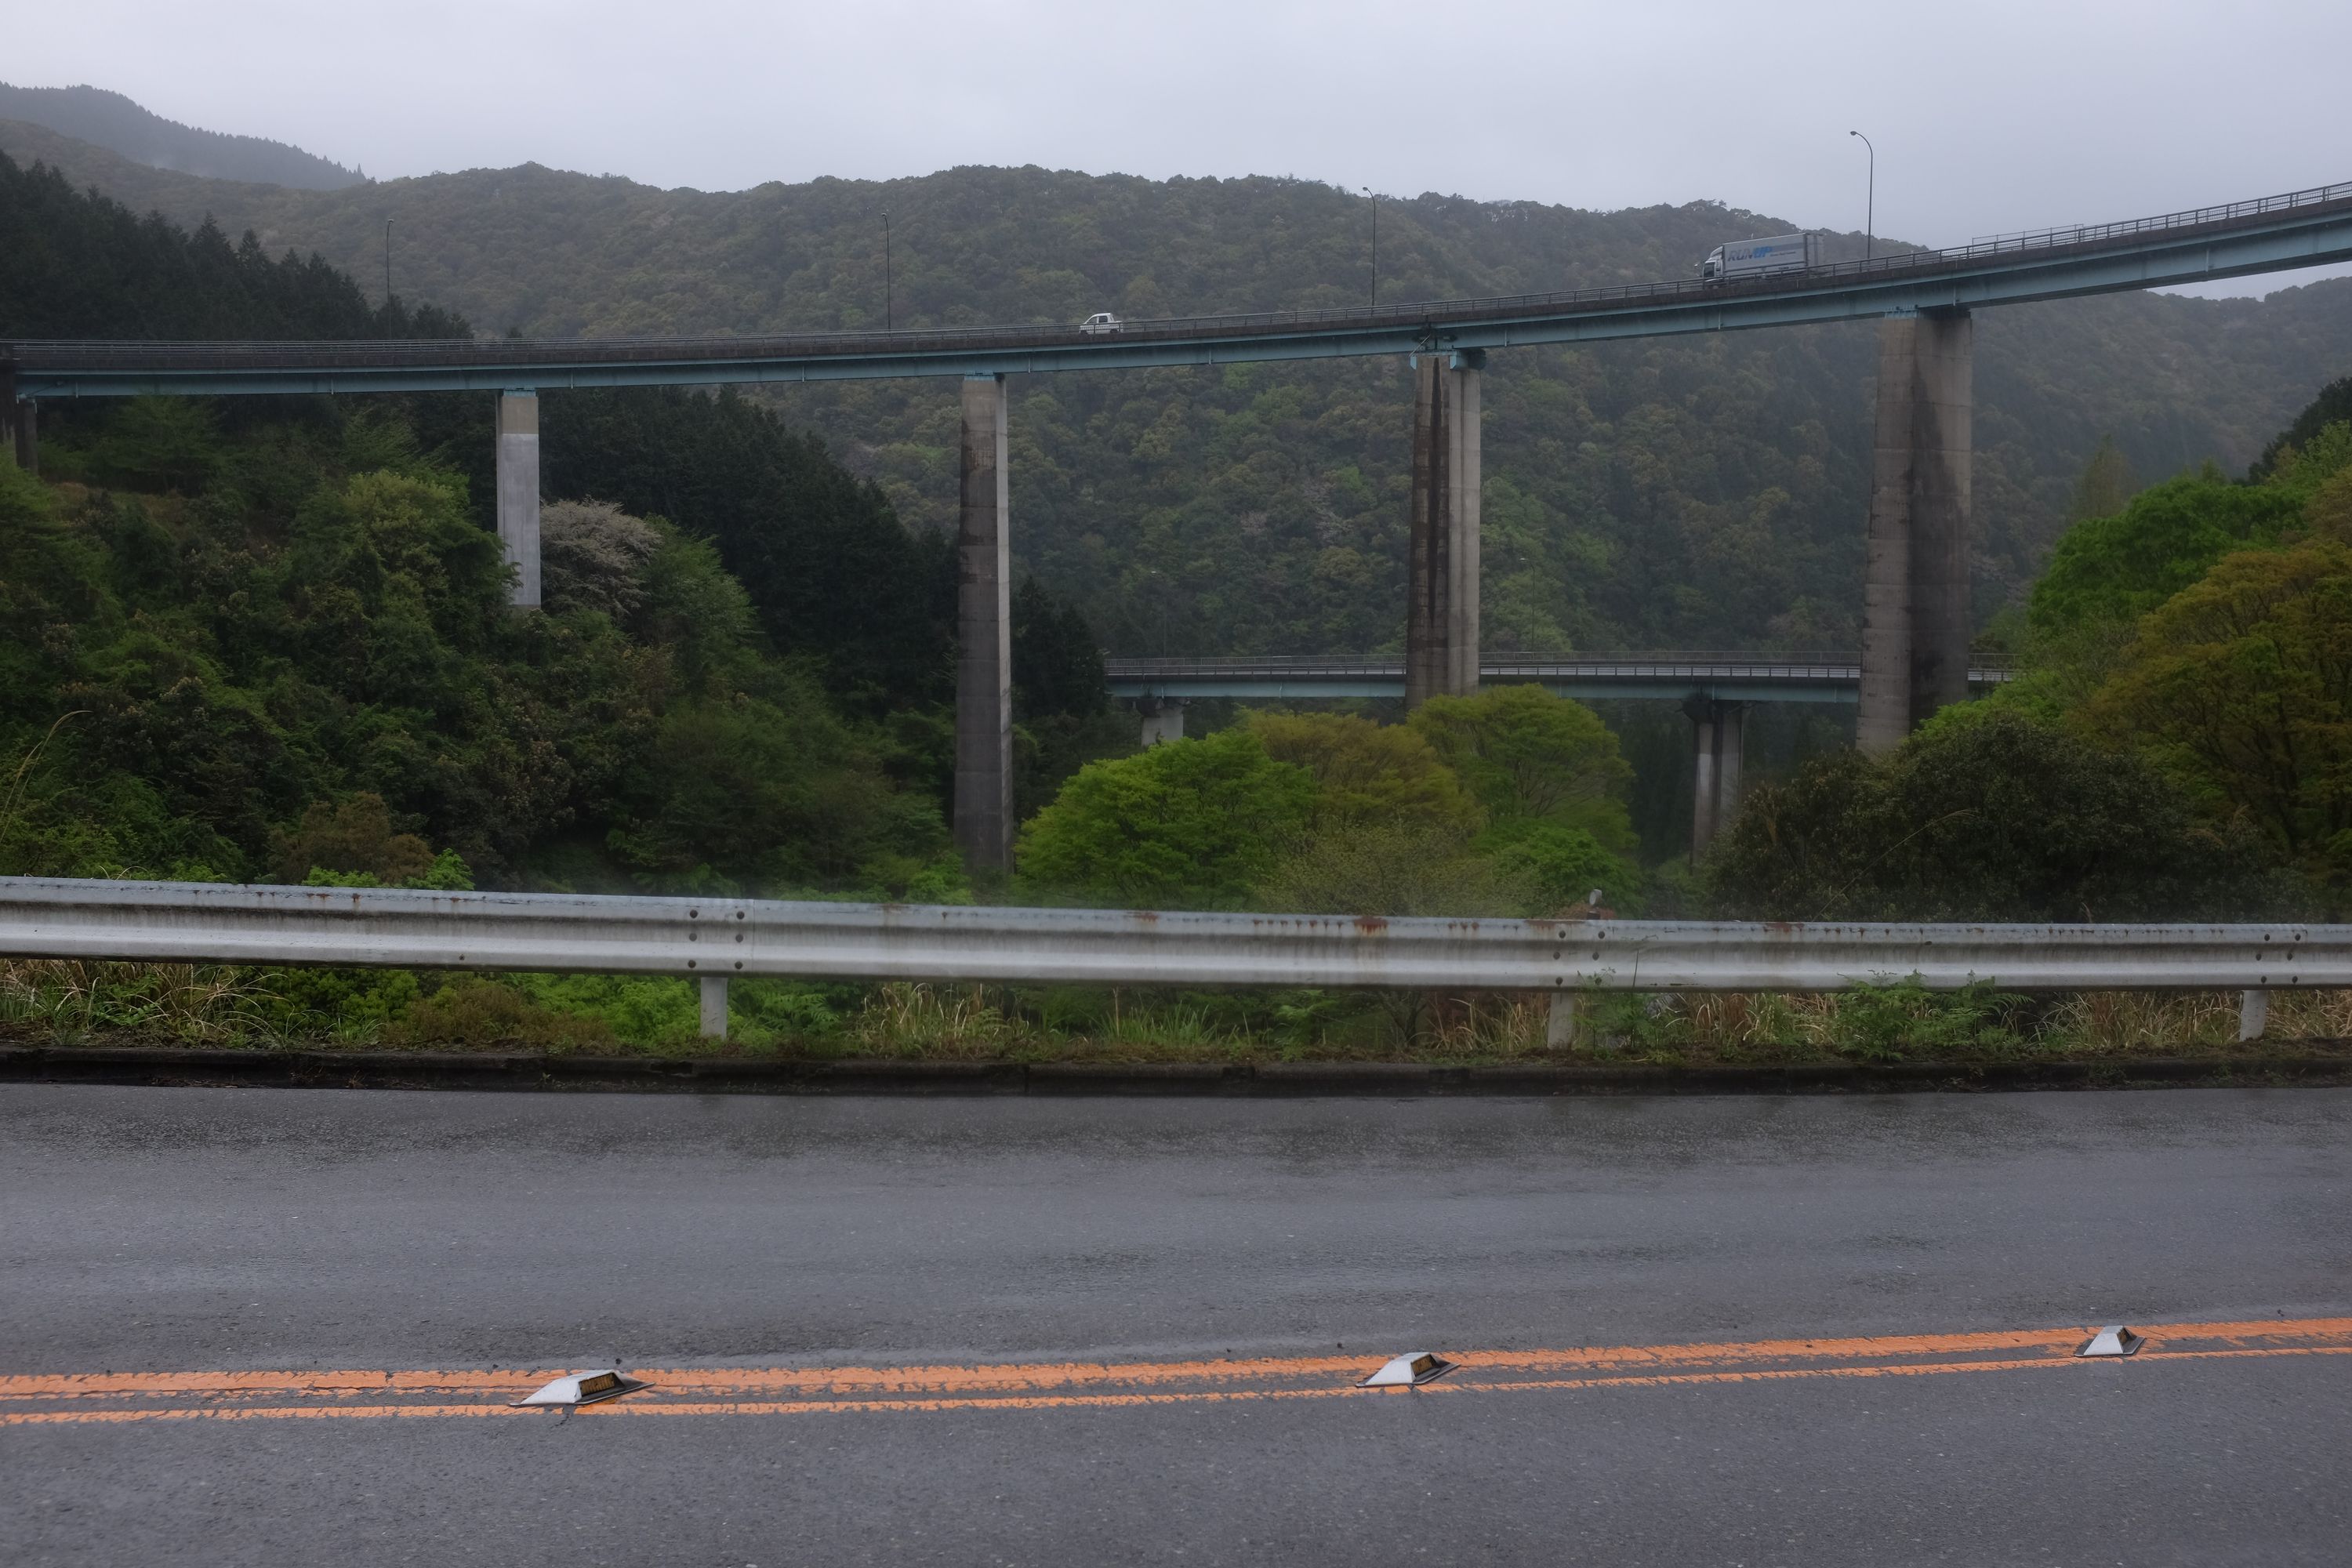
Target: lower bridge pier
[[518, 492], [1717, 733], [1163, 720], [19, 438]]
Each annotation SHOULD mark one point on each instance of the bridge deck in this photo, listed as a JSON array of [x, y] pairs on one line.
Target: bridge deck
[[2298, 228]]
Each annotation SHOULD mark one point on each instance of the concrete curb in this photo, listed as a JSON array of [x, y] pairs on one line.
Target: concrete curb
[[165, 1066]]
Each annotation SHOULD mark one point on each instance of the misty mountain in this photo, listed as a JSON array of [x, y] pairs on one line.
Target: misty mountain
[[1693, 492], [111, 121]]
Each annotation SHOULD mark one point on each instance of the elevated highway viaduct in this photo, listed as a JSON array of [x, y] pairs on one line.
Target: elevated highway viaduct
[[1714, 690], [1914, 657]]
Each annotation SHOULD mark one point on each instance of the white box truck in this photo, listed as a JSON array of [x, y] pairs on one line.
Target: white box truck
[[1755, 257]]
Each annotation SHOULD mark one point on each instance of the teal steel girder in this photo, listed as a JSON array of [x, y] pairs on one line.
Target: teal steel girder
[[1589, 689], [2293, 238], [1728, 686]]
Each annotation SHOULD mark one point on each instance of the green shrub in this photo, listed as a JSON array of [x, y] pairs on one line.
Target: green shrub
[[478, 1014]]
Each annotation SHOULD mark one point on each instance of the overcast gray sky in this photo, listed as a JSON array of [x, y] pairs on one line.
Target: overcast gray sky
[[1987, 117]]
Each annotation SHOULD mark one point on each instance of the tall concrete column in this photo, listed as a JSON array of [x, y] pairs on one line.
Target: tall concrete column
[[1441, 629], [1730, 746], [1704, 729], [1164, 720], [1717, 752], [19, 442], [984, 770], [1915, 619], [1943, 427], [518, 489]]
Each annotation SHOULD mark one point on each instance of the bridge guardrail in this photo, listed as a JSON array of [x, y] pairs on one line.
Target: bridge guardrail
[[717, 939], [1826, 668]]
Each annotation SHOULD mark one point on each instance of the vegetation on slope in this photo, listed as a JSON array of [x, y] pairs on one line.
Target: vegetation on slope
[[111, 121], [2179, 740]]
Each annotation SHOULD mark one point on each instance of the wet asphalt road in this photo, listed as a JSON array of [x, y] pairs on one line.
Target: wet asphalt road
[[160, 1230]]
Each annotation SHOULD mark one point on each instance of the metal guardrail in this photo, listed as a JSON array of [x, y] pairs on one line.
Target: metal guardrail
[[105, 356], [1802, 665], [713, 939]]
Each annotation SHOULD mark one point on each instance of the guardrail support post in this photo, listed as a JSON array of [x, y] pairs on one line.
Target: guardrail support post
[[714, 1007], [518, 492], [983, 766], [1561, 1021], [1915, 619], [2254, 1015], [1440, 628]]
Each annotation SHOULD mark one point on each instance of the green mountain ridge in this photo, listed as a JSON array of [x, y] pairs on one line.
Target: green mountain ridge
[[109, 119], [1706, 491]]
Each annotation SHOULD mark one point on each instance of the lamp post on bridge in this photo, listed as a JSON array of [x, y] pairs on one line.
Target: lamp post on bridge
[[885, 269], [1375, 246], [387, 265], [1870, 202]]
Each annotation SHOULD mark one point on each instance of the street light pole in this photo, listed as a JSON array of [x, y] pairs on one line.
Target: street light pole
[[1376, 247], [885, 269], [1870, 206], [387, 264]]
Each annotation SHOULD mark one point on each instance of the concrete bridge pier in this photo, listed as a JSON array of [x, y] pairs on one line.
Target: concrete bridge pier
[[984, 764], [1163, 720], [518, 492], [1440, 628], [1717, 742], [19, 440], [1915, 620]]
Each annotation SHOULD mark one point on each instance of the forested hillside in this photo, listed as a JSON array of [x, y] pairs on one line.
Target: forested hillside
[[1690, 492], [111, 121], [259, 637]]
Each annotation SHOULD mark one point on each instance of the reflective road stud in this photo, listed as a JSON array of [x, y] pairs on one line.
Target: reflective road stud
[[1409, 1371], [582, 1388], [2113, 1339]]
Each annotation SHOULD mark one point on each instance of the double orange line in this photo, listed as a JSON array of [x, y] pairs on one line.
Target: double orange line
[[77, 1398]]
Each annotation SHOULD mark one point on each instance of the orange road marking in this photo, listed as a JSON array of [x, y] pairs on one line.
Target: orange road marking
[[74, 1398]]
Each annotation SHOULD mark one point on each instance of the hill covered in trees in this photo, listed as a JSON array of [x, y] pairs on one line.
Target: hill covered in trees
[[256, 637], [111, 121], [1707, 491]]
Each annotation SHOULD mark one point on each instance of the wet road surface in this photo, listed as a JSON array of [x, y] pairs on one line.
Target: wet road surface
[[1114, 1330]]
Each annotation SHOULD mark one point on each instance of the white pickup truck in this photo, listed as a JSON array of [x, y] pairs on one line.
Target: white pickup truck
[[1099, 323]]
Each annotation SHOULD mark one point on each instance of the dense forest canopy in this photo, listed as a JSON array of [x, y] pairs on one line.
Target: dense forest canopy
[[1700, 492], [79, 265]]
